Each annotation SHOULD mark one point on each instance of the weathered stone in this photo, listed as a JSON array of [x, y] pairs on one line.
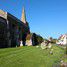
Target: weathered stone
[[28, 42], [49, 45], [13, 30], [21, 43], [3, 14]]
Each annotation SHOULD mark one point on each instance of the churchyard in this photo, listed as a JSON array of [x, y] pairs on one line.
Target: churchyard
[[32, 56]]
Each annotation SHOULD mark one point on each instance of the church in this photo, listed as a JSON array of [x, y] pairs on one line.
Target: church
[[13, 32]]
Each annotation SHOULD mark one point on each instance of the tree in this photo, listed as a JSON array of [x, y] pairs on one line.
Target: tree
[[36, 39]]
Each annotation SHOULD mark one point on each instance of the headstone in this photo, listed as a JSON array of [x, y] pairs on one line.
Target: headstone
[[21, 43], [49, 45], [43, 45], [37, 46], [28, 42]]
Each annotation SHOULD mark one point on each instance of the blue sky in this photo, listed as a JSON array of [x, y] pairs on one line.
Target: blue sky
[[45, 17]]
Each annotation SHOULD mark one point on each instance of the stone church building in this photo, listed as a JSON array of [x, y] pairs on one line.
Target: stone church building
[[13, 32]]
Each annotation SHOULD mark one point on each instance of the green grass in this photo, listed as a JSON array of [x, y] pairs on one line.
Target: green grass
[[30, 56]]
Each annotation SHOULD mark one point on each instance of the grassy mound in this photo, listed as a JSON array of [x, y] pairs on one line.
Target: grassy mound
[[30, 56]]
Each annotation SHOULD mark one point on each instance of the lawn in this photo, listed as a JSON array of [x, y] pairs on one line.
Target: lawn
[[30, 56]]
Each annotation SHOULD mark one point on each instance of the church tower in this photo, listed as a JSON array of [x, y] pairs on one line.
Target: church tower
[[28, 35], [23, 17]]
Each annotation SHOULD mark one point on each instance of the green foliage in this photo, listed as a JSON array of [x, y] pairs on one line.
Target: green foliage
[[54, 41], [30, 56], [36, 39], [66, 49], [40, 39]]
